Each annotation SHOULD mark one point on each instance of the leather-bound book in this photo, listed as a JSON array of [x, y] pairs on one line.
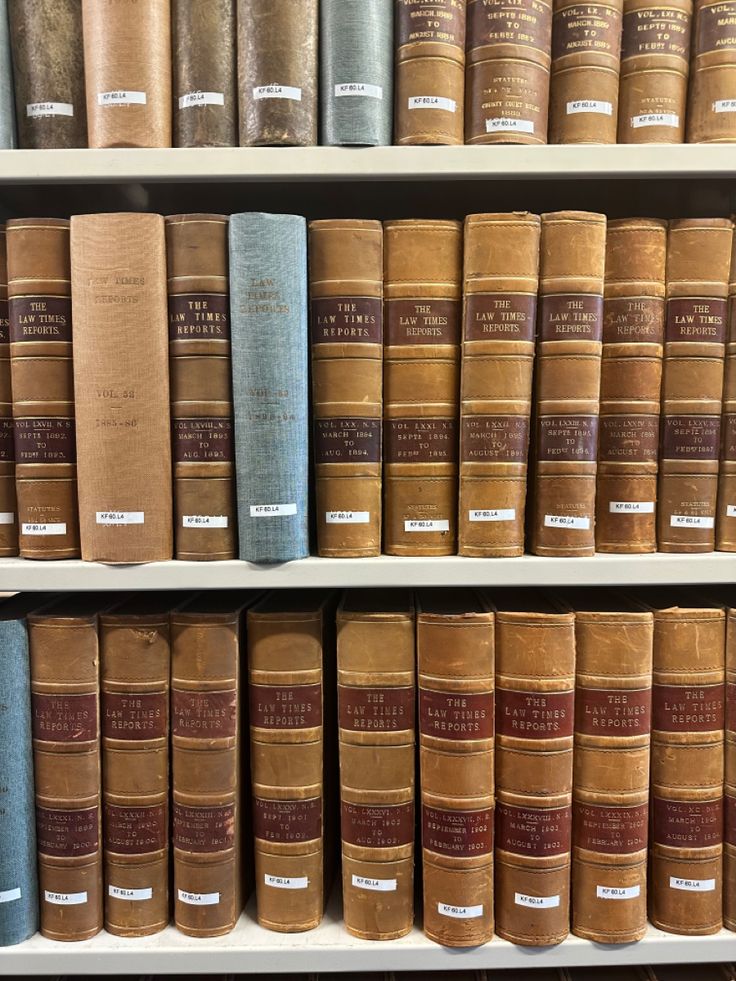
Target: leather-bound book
[[205, 95], [121, 387], [455, 666], [711, 109], [430, 72], [278, 72], [655, 60], [698, 261], [376, 711], [570, 331], [49, 91], [612, 974], [501, 279], [423, 294], [40, 314], [8, 508], [201, 387], [127, 65], [586, 50], [535, 704], [729, 801], [726, 516], [346, 293], [683, 972], [631, 382], [508, 53], [292, 755]]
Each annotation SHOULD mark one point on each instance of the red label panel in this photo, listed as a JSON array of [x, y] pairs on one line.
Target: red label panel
[[376, 709], [455, 715], [633, 320], [500, 316], [382, 826], [495, 439], [205, 440], [45, 441], [729, 823], [347, 441], [135, 715], [204, 714], [611, 830], [40, 318], [285, 707], [421, 441], [536, 831], [422, 322], [571, 317], [347, 320], [687, 824], [715, 28], [731, 706], [613, 711], [287, 821], [686, 708], [67, 834], [508, 22], [629, 439], [135, 830], [691, 437], [586, 28], [440, 21], [462, 834], [534, 715], [199, 317], [656, 30], [204, 829], [568, 439], [7, 445], [64, 718], [696, 319]]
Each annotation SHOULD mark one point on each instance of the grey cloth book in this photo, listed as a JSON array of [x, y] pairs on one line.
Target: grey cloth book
[[357, 62], [268, 323], [7, 95]]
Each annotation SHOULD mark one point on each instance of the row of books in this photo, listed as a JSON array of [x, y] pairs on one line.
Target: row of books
[[660, 972], [217, 73], [571, 763], [428, 341]]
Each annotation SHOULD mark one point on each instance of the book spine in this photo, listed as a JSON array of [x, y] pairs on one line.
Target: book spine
[[631, 382], [40, 314], [127, 65], [726, 517], [686, 851], [501, 280], [346, 292], [655, 60], [201, 387], [356, 72], [8, 139], [205, 98], [710, 110], [569, 343], [8, 505], [509, 55], [430, 72], [586, 50], [729, 800], [421, 382], [698, 260], [268, 316]]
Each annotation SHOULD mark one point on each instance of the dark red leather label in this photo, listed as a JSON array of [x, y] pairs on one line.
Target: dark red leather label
[[611, 830], [633, 320], [287, 822], [460, 834], [731, 706], [347, 441], [420, 441], [423, 322], [687, 824], [586, 28], [40, 318], [729, 821], [715, 28], [500, 316], [494, 439], [656, 31], [696, 319], [519, 22], [67, 834], [7, 446], [199, 317], [204, 829], [376, 709], [204, 714], [535, 831], [205, 440], [729, 435], [44, 440], [439, 21], [135, 715], [4, 322], [456, 715], [628, 439], [571, 317], [570, 439], [534, 715], [135, 830], [64, 718], [285, 707], [613, 711], [686, 708], [691, 437], [382, 826], [347, 320]]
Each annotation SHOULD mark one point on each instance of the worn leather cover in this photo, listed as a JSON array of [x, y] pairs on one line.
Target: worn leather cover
[[586, 49], [569, 342], [655, 60], [455, 664], [423, 294], [711, 111], [50, 104], [346, 293], [631, 382], [726, 516], [201, 387], [698, 261], [501, 279], [40, 314], [729, 801], [8, 510], [430, 71], [376, 707], [121, 387], [509, 54], [127, 65]]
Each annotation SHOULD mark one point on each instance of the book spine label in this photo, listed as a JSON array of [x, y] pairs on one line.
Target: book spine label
[[711, 113]]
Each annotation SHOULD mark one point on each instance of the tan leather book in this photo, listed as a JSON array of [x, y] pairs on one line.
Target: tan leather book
[[40, 314], [631, 382], [729, 802], [455, 665], [430, 72], [655, 60], [346, 293], [501, 280], [127, 67], [711, 111], [201, 387], [698, 260], [569, 343], [291, 639], [121, 387], [535, 703], [8, 508], [586, 52], [421, 380], [509, 55], [376, 709], [726, 516]]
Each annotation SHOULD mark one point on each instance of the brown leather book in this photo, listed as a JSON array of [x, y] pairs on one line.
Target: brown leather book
[[509, 55], [684, 972], [201, 387], [423, 294], [698, 260], [535, 703], [726, 516], [430, 72], [127, 65], [631, 382], [655, 59], [346, 292], [501, 281], [570, 331], [8, 508], [278, 72], [711, 109], [586, 51], [455, 665], [121, 387], [729, 801], [50, 108], [611, 974], [376, 708], [291, 639], [205, 96], [40, 314]]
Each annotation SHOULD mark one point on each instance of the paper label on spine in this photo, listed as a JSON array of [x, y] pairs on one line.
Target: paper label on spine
[[9, 895], [347, 517], [199, 898], [589, 105], [204, 521], [724, 105], [692, 885], [36, 110], [201, 99], [120, 98], [691, 521], [631, 507], [500, 124], [612, 892], [120, 517], [278, 92], [432, 102], [283, 882], [417, 525], [460, 912], [655, 119], [65, 898], [374, 885], [50, 528], [536, 902], [129, 895], [731, 510], [566, 521], [493, 514], [359, 88], [7, 518], [272, 510]]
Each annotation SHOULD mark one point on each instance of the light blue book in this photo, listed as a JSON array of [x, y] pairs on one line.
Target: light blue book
[[268, 323], [7, 95]]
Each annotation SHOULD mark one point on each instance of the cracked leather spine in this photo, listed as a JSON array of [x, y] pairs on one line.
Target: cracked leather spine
[[726, 517], [710, 109]]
